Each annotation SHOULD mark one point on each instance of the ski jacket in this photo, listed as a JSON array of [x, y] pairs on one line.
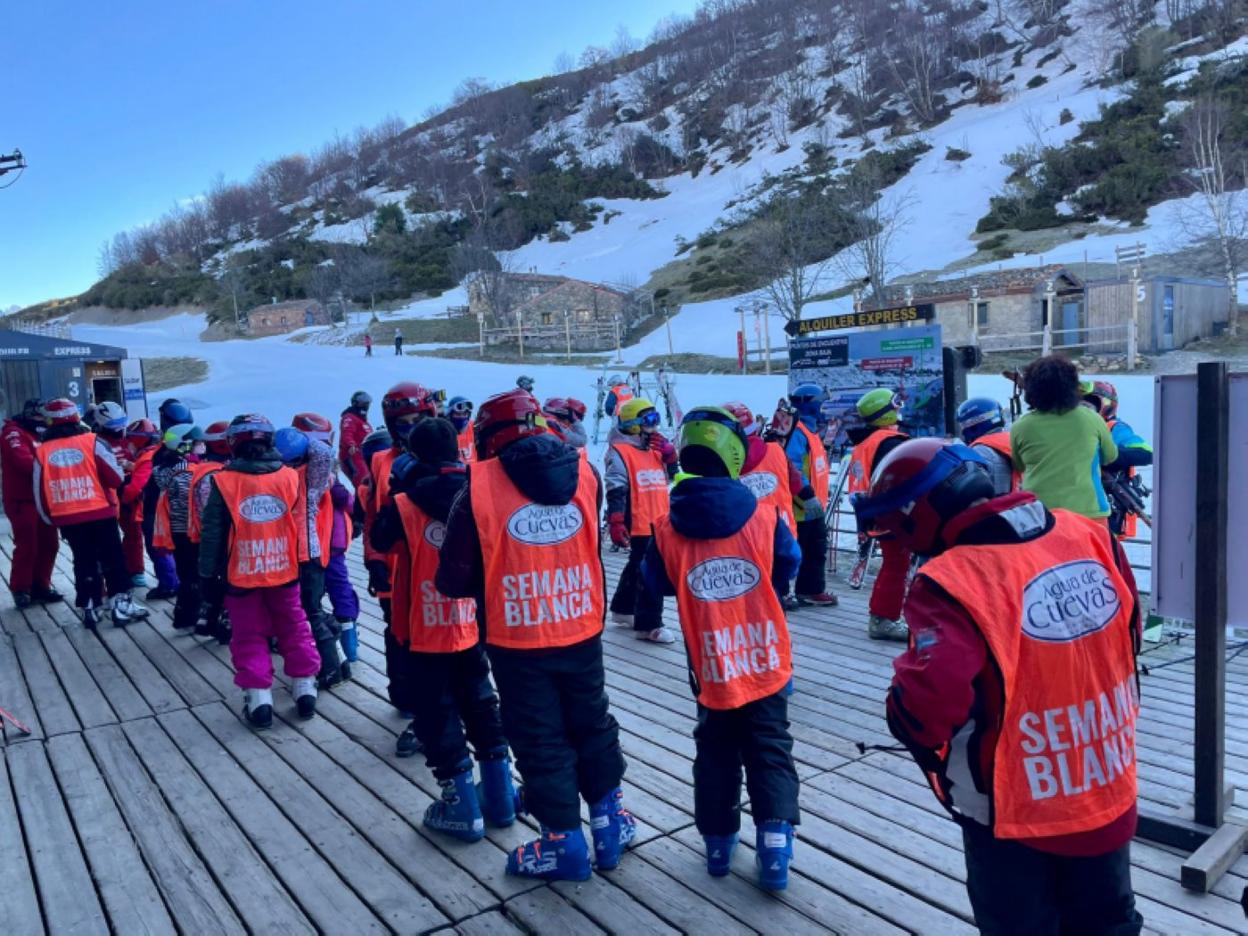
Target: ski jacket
[[616, 472], [199, 495], [17, 463], [615, 398], [1133, 451], [82, 488], [995, 449], [132, 493], [353, 429], [1061, 456], [949, 684], [344, 503], [770, 477], [174, 484], [267, 528], [646, 493], [544, 471]]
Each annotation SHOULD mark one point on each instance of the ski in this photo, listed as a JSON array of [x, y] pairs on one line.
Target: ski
[[602, 398], [859, 571], [667, 390], [833, 516]]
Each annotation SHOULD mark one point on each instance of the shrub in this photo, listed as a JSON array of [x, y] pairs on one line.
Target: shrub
[[954, 154], [1065, 117], [1037, 80]]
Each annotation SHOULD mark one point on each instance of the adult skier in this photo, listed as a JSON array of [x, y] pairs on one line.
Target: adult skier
[[35, 543], [1020, 714], [529, 514], [353, 429]]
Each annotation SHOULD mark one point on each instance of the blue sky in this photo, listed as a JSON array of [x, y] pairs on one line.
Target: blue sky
[[123, 109]]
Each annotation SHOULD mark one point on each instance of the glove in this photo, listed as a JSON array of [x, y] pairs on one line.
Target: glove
[[378, 577], [403, 472], [813, 508], [618, 531], [666, 450]]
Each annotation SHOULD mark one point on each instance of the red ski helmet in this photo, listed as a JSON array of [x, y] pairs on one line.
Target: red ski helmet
[[749, 425], [918, 487], [59, 412], [248, 427], [314, 426], [504, 418], [1104, 397], [215, 439], [405, 399], [577, 409]]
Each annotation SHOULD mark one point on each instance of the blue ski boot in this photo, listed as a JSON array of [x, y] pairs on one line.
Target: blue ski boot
[[457, 812], [613, 828], [349, 637], [719, 854], [556, 856], [775, 851], [497, 792]]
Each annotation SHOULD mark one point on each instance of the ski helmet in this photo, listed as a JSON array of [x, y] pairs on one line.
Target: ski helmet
[[616, 380], [174, 413], [1103, 396], [504, 418], [558, 407], [979, 416], [749, 425], [525, 383], [405, 399], [291, 445], [361, 401], [111, 418], [459, 411], [59, 412], [215, 440], [712, 443], [376, 441], [314, 426], [807, 399], [918, 487], [577, 409], [246, 429], [182, 438], [636, 416], [142, 431], [32, 413], [879, 407]]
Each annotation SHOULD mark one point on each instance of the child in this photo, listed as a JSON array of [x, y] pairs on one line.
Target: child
[[141, 441], [459, 411], [251, 540], [216, 456], [810, 502], [716, 553], [173, 478], [639, 462], [451, 692], [529, 514], [75, 477]]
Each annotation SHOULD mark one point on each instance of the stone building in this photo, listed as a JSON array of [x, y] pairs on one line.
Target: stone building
[[280, 318], [553, 310]]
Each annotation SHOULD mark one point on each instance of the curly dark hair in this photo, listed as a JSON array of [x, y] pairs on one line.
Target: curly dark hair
[[1051, 384]]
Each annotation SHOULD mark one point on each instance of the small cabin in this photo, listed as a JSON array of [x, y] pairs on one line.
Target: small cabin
[[43, 367]]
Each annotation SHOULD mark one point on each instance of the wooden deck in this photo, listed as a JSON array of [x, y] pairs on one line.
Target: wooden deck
[[143, 804]]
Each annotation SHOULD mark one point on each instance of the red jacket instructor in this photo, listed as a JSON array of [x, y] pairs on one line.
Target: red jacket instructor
[[34, 542], [1017, 695]]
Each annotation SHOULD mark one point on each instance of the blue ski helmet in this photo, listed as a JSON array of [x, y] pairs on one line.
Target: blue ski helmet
[[376, 441], [174, 413], [808, 399], [979, 416], [291, 444]]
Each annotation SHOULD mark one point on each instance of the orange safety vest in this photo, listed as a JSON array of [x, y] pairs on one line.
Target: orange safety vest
[[622, 394], [768, 481], [324, 518], [69, 480], [999, 442], [647, 488], [1130, 522], [194, 522], [820, 470], [379, 492], [735, 632], [1056, 616], [543, 573], [467, 445], [267, 529], [162, 526], [435, 623], [863, 458]]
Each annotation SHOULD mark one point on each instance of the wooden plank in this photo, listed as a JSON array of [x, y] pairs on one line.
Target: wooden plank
[[186, 885], [188, 684], [543, 911], [244, 876], [312, 880], [611, 907], [19, 904], [129, 895], [65, 890], [369, 872], [157, 692], [490, 923], [55, 711], [126, 701], [15, 697], [84, 695]]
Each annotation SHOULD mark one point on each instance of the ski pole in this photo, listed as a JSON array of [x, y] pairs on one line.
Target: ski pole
[[863, 747], [22, 729]]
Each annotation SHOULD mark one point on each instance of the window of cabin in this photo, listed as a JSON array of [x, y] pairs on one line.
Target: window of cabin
[[981, 314]]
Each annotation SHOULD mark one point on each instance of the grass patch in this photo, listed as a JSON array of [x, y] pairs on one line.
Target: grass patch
[[459, 328], [506, 354], [162, 373]]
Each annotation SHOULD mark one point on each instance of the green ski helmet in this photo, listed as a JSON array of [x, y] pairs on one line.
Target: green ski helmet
[[879, 407], [712, 443]]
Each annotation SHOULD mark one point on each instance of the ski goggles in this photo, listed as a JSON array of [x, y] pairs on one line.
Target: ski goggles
[[462, 408], [649, 419]]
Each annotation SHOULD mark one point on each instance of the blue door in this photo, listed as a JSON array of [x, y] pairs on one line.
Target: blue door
[[1071, 326]]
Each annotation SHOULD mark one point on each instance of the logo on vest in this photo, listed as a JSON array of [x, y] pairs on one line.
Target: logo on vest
[[545, 525], [1069, 601], [435, 533], [761, 483], [650, 478], [66, 458], [722, 579], [262, 508]]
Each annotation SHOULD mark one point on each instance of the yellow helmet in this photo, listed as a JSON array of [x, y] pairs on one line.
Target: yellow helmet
[[635, 415]]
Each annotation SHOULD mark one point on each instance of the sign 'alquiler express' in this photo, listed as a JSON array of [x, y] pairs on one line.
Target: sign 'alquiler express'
[[900, 315]]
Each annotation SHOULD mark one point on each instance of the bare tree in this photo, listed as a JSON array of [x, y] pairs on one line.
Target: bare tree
[[917, 58], [785, 249], [363, 274], [232, 283], [873, 221], [1222, 221]]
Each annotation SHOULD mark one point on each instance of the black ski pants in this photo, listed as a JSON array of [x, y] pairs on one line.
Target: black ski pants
[[555, 715], [756, 737], [453, 703], [812, 537], [631, 595], [1019, 891], [186, 561], [99, 565]]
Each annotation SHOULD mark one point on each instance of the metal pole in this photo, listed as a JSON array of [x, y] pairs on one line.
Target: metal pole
[[745, 343], [567, 331], [767, 339], [481, 331], [1135, 299], [1133, 344], [1213, 417], [619, 351], [667, 323], [520, 330]]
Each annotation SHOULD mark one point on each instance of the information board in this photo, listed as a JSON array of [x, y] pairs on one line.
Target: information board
[[904, 360]]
